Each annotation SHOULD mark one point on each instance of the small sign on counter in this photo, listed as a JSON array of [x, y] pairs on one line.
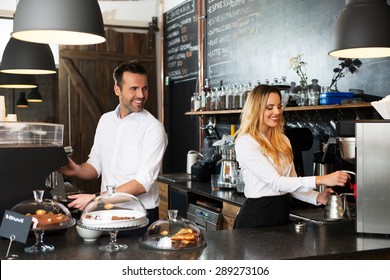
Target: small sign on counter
[[15, 224]]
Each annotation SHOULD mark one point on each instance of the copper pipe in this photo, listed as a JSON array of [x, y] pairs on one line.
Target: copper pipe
[[201, 23]]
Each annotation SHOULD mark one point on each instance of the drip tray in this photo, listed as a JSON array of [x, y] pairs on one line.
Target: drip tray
[[316, 216]]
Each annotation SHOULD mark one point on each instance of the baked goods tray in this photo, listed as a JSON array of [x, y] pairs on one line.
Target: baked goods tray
[[129, 227]]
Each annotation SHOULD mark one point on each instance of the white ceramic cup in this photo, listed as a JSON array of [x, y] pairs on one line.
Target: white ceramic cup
[[191, 160]]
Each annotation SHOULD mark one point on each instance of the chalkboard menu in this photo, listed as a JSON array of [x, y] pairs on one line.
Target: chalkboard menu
[[181, 41], [231, 25]]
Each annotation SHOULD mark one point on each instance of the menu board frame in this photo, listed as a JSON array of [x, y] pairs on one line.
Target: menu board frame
[[181, 42]]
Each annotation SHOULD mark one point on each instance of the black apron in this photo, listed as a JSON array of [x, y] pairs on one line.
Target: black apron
[[264, 212]]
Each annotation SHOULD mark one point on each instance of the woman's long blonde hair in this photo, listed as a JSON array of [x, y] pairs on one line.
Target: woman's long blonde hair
[[252, 118]]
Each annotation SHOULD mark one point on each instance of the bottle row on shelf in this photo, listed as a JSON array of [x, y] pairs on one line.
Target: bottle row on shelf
[[234, 96], [220, 98]]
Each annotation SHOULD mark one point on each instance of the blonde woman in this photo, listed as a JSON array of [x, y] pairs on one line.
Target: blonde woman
[[265, 157]]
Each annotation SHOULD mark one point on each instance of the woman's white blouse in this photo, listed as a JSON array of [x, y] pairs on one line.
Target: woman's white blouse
[[261, 178]]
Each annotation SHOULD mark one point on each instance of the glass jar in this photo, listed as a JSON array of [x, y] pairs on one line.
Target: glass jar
[[313, 97], [315, 86], [302, 97]]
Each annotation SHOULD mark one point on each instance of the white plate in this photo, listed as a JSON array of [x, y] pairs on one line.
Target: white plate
[[103, 219]]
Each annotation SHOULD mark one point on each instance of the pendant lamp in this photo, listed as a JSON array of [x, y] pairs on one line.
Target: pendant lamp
[[17, 81], [362, 30], [21, 57], [65, 22], [22, 101], [34, 96]]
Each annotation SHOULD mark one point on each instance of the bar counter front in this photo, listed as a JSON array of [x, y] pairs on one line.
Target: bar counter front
[[331, 241]]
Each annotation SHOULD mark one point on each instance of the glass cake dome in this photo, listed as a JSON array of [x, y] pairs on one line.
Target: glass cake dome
[[172, 234], [46, 214], [114, 210]]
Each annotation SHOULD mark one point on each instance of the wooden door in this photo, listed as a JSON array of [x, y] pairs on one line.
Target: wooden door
[[86, 88]]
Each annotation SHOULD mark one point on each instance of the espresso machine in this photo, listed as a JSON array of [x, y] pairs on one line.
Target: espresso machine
[[366, 145], [30, 154]]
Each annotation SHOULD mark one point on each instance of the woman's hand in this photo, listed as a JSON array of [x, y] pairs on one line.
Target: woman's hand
[[338, 178], [322, 197], [80, 200]]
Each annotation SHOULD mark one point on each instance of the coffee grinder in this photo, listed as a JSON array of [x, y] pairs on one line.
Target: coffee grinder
[[230, 175]]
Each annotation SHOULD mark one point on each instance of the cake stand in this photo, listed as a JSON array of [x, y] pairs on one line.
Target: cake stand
[[40, 246], [113, 245]]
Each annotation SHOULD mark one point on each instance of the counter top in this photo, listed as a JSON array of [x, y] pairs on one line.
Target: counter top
[[204, 189], [333, 241], [337, 240]]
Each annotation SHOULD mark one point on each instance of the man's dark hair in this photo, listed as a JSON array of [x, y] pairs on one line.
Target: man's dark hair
[[130, 66]]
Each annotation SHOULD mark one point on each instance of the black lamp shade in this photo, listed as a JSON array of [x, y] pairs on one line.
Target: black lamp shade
[[34, 96], [22, 102], [66, 22], [17, 81], [21, 57], [362, 30]]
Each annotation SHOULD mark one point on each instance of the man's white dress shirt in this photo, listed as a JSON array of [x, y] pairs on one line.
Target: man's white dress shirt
[[130, 148]]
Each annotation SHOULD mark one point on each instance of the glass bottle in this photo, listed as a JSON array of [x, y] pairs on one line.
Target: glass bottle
[[213, 100], [193, 103], [245, 93], [314, 93], [217, 98], [293, 87], [203, 101], [196, 102], [229, 99], [236, 97], [302, 94], [222, 98], [208, 101], [206, 89]]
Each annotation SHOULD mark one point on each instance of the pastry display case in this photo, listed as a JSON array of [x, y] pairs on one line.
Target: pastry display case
[[172, 234], [47, 215], [114, 212]]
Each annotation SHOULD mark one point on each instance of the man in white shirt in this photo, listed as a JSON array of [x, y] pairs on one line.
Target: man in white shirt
[[129, 145]]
